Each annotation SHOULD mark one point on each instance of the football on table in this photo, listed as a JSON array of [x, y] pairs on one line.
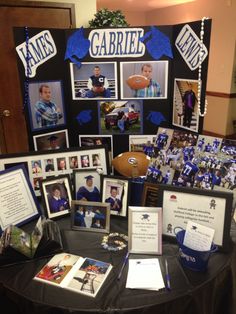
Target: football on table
[[137, 81], [125, 163]]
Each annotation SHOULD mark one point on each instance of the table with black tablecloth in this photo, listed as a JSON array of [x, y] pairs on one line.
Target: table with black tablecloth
[[211, 292]]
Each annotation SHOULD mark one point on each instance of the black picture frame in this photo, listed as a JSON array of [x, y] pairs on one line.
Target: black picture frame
[[216, 215], [8, 160], [122, 187], [60, 205]]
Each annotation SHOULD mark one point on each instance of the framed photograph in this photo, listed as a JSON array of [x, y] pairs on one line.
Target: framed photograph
[[185, 110], [210, 208], [145, 230], [150, 194], [51, 141], [94, 80], [115, 191], [121, 117], [135, 74], [95, 140], [90, 216], [57, 196], [43, 164], [19, 204], [46, 106], [87, 185]]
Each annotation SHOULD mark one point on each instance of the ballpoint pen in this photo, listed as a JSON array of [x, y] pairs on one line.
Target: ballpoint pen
[[167, 275], [123, 265]]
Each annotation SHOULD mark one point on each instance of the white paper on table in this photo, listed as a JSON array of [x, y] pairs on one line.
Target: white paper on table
[[198, 237], [145, 274]]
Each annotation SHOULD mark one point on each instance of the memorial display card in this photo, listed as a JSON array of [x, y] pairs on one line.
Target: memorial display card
[[145, 230]]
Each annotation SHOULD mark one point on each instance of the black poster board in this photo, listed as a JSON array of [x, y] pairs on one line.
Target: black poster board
[[118, 52]]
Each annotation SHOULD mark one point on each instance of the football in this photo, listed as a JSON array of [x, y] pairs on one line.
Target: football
[[137, 81], [99, 89], [130, 164]]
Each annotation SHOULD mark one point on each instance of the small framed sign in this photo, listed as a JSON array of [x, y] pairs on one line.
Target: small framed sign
[[145, 230], [210, 208]]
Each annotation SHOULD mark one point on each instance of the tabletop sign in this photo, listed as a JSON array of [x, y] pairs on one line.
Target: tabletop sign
[[145, 230]]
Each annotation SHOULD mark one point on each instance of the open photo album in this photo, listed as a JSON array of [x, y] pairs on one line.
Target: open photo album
[[75, 273]]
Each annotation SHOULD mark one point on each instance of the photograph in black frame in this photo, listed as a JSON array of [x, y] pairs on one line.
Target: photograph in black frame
[[115, 191], [56, 195], [19, 204], [90, 216], [87, 185], [207, 207]]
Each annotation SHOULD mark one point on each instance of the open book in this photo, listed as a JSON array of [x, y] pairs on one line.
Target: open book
[[82, 275]]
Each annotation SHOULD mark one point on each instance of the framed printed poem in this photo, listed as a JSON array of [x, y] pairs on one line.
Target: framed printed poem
[[115, 191], [41, 165], [145, 230], [19, 204], [210, 208]]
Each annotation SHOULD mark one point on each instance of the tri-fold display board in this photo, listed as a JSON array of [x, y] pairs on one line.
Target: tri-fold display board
[[86, 80]]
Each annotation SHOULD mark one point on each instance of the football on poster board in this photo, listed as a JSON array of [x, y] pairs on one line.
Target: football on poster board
[[130, 164], [137, 81]]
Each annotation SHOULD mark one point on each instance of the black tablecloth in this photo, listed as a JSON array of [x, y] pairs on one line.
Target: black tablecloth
[[212, 292]]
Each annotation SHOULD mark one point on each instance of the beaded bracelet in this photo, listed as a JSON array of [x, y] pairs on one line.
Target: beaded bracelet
[[114, 241]]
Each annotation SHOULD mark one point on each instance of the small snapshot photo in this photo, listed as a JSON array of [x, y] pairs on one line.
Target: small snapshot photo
[[73, 161], [46, 106], [57, 196], [61, 164], [84, 160], [36, 166], [208, 144], [87, 185], [146, 79], [90, 216], [115, 191], [89, 277], [185, 104], [94, 140], [49, 165], [51, 141], [94, 80], [121, 117], [143, 143], [57, 268]]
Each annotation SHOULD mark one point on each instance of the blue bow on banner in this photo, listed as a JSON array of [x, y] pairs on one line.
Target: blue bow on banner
[[77, 47], [155, 117], [158, 44]]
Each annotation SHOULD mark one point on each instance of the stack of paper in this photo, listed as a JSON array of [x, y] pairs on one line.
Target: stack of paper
[[145, 274]]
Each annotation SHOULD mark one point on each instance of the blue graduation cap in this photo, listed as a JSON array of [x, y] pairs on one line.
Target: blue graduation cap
[[89, 177], [155, 117], [158, 44], [77, 47], [52, 138]]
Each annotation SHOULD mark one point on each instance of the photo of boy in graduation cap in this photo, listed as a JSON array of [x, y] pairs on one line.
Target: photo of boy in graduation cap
[[51, 141], [90, 190], [114, 200]]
